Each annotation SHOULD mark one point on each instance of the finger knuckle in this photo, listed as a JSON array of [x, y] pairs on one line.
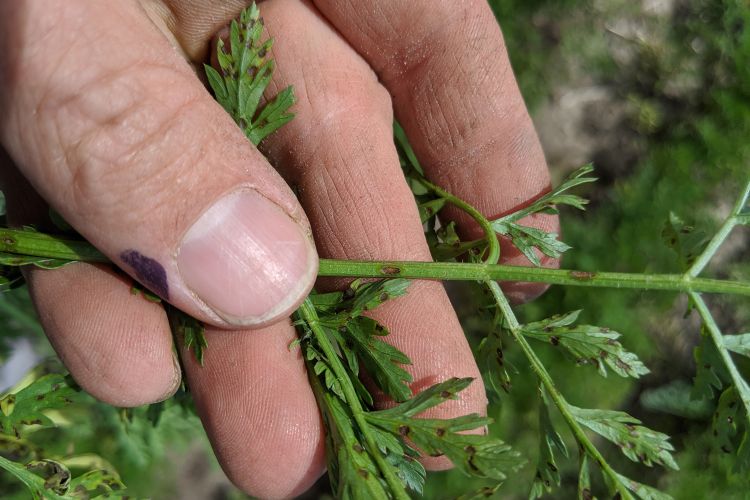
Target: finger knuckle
[[113, 131], [350, 99]]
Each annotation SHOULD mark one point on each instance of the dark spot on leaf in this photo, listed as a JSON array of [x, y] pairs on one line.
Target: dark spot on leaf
[[440, 432], [9, 241], [470, 450], [383, 297], [726, 449], [437, 454], [730, 420], [390, 270], [582, 275], [148, 271], [586, 494], [363, 473], [488, 491], [552, 466], [358, 448], [732, 404], [471, 464], [617, 496], [446, 394], [404, 430], [40, 397], [554, 340]]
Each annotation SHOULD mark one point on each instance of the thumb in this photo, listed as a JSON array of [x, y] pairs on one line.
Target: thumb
[[114, 130]]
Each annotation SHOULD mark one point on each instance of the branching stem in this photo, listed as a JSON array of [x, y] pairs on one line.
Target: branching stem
[[734, 218], [29, 243], [464, 271], [546, 380], [493, 246], [718, 239], [713, 330], [307, 312]]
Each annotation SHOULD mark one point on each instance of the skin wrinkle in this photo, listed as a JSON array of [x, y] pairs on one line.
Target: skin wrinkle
[[348, 247], [351, 187], [93, 172], [324, 219], [79, 159]]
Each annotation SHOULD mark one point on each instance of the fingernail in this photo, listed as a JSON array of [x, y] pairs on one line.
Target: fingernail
[[247, 259]]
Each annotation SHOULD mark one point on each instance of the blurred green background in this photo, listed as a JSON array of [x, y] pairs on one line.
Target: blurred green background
[[657, 94]]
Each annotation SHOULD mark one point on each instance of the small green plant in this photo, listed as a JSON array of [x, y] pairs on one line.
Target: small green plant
[[373, 453]]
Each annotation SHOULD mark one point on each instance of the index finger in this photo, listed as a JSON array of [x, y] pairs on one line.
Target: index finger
[[454, 92]]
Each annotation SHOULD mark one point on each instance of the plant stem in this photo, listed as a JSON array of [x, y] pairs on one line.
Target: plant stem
[[546, 380], [27, 242], [23, 242], [462, 271], [718, 339], [726, 228], [493, 245], [307, 312]]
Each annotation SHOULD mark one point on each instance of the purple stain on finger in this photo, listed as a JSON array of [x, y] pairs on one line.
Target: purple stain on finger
[[148, 271]]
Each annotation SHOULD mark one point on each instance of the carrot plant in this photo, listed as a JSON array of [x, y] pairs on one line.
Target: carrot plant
[[374, 453]]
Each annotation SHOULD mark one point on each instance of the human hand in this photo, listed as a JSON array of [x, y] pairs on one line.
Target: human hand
[[105, 118]]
